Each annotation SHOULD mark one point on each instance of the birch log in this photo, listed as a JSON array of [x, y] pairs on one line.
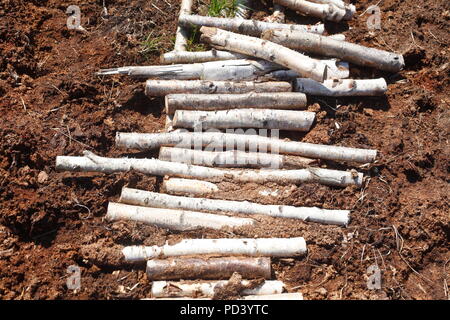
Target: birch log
[[221, 141], [93, 163], [270, 51], [336, 69], [342, 87], [173, 219], [188, 186], [200, 56], [207, 289], [233, 158], [269, 247], [248, 27], [350, 8], [244, 118], [208, 268], [325, 11], [160, 200], [155, 88], [256, 100], [182, 32], [277, 16], [234, 70], [329, 47]]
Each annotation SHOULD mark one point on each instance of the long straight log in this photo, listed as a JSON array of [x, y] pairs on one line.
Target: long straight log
[[93, 163], [207, 289], [260, 247], [326, 11], [188, 187], [200, 56], [214, 101], [233, 158], [152, 199], [234, 70], [221, 141], [208, 268], [173, 219], [248, 27], [326, 46], [270, 51], [154, 88], [245, 118], [342, 87]]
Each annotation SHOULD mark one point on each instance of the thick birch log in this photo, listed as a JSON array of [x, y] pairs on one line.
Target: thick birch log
[[233, 158], [200, 56], [336, 70], [350, 8], [279, 296], [207, 289], [188, 186], [256, 100], [234, 70], [183, 33], [248, 27], [270, 51], [208, 268], [93, 163], [329, 47], [152, 199], [220, 141], [277, 15], [260, 247], [327, 11], [154, 88], [245, 118], [342, 87], [173, 219]]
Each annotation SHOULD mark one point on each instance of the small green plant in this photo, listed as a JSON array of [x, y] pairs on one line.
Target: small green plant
[[193, 40], [151, 44], [223, 8]]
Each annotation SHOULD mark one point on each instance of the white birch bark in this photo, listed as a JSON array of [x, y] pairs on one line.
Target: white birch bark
[[93, 163], [200, 56], [173, 219], [160, 200], [342, 87], [183, 33], [336, 70], [350, 8], [327, 11], [188, 186], [154, 88], [221, 101], [220, 141], [261, 247], [279, 296], [207, 289], [244, 118], [270, 51], [234, 70], [329, 47]]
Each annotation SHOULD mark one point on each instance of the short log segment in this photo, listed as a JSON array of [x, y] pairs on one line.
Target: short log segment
[[173, 219], [154, 88], [220, 141], [160, 200], [336, 69], [208, 268], [207, 289], [354, 53], [256, 100], [93, 163], [342, 87], [260, 247], [188, 187], [270, 51], [243, 26], [244, 118], [324, 10]]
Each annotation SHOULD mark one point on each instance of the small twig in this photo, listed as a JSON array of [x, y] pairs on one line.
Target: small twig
[[23, 103], [65, 134]]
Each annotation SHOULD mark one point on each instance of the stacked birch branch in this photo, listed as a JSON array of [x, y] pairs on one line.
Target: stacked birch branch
[[257, 75]]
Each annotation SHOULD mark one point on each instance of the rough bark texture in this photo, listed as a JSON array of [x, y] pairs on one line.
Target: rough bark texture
[[342, 87], [326, 11]]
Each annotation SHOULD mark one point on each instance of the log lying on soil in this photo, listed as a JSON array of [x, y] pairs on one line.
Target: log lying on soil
[[234, 70], [269, 247], [221, 141], [233, 158], [173, 219], [280, 296], [93, 163], [326, 46], [342, 87], [182, 34], [336, 69], [326, 10], [277, 16], [188, 186], [350, 8], [217, 101], [208, 289], [208, 268], [200, 56], [245, 118], [270, 51], [156, 88], [248, 27], [152, 199]]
